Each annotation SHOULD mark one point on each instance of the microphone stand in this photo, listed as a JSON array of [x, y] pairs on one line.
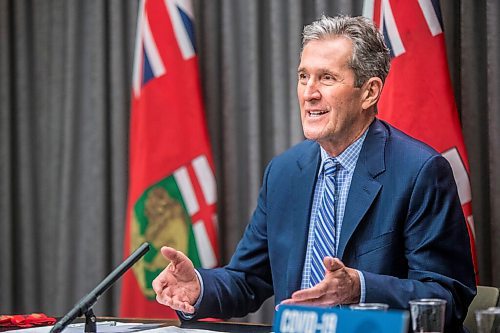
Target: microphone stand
[[84, 306]]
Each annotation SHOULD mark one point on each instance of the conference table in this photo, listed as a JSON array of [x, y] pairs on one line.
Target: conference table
[[215, 326], [231, 327]]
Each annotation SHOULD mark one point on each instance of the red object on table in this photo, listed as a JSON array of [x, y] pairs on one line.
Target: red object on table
[[30, 320]]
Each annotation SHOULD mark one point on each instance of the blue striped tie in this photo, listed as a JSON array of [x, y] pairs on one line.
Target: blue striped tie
[[324, 230]]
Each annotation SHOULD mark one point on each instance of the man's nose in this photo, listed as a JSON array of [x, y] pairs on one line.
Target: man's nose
[[311, 91]]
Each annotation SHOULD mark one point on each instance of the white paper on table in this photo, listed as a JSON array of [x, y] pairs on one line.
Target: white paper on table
[[102, 327]]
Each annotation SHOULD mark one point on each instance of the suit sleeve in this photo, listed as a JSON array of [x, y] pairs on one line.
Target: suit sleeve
[[436, 249], [245, 283]]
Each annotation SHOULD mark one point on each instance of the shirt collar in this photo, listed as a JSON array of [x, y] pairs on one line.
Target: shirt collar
[[348, 158]]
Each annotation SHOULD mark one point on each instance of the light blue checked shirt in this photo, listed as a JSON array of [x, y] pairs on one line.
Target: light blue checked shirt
[[347, 160]]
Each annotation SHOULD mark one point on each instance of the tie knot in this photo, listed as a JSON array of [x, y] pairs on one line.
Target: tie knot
[[330, 166]]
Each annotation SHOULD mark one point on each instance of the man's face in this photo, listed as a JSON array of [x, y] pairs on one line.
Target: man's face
[[330, 105]]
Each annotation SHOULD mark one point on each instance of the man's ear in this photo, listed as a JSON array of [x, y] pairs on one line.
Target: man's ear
[[372, 89]]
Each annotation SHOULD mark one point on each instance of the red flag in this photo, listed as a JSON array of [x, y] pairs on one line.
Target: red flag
[[418, 96], [172, 191]]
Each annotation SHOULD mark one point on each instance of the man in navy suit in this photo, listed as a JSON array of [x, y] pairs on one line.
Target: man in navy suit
[[398, 231]]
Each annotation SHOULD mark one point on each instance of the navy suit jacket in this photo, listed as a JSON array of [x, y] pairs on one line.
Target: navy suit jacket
[[403, 228]]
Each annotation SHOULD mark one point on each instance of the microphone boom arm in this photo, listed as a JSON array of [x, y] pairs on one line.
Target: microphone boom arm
[[84, 305]]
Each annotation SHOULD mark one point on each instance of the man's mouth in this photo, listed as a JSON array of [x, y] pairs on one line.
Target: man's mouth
[[317, 113]]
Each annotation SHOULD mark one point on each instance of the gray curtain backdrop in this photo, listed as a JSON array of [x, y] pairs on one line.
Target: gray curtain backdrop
[[65, 73]]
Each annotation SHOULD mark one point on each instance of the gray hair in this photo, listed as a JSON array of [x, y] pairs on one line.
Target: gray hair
[[370, 55]]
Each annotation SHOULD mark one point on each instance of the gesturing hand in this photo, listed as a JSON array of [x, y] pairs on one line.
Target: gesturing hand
[[177, 286], [340, 286]]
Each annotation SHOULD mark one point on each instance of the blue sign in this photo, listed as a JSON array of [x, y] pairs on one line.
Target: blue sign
[[306, 319]]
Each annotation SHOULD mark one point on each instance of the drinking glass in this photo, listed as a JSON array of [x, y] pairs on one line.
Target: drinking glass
[[427, 315], [488, 321]]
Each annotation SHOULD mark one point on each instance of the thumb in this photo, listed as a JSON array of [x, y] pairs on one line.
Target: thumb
[[333, 264], [174, 256]]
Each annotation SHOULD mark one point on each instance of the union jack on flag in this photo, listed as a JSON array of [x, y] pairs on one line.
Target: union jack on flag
[[148, 63], [380, 11], [172, 190]]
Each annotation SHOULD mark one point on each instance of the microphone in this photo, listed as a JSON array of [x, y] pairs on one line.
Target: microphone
[[84, 305]]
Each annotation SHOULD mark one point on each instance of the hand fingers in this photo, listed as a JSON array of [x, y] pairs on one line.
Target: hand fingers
[[172, 255], [321, 301], [180, 265], [310, 293], [332, 264], [158, 284], [175, 303], [339, 286], [182, 305], [285, 301]]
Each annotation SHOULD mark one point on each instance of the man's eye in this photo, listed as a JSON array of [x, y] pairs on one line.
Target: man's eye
[[302, 77], [328, 79]]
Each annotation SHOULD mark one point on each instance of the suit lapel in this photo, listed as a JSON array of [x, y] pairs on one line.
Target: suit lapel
[[303, 191], [364, 187]]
